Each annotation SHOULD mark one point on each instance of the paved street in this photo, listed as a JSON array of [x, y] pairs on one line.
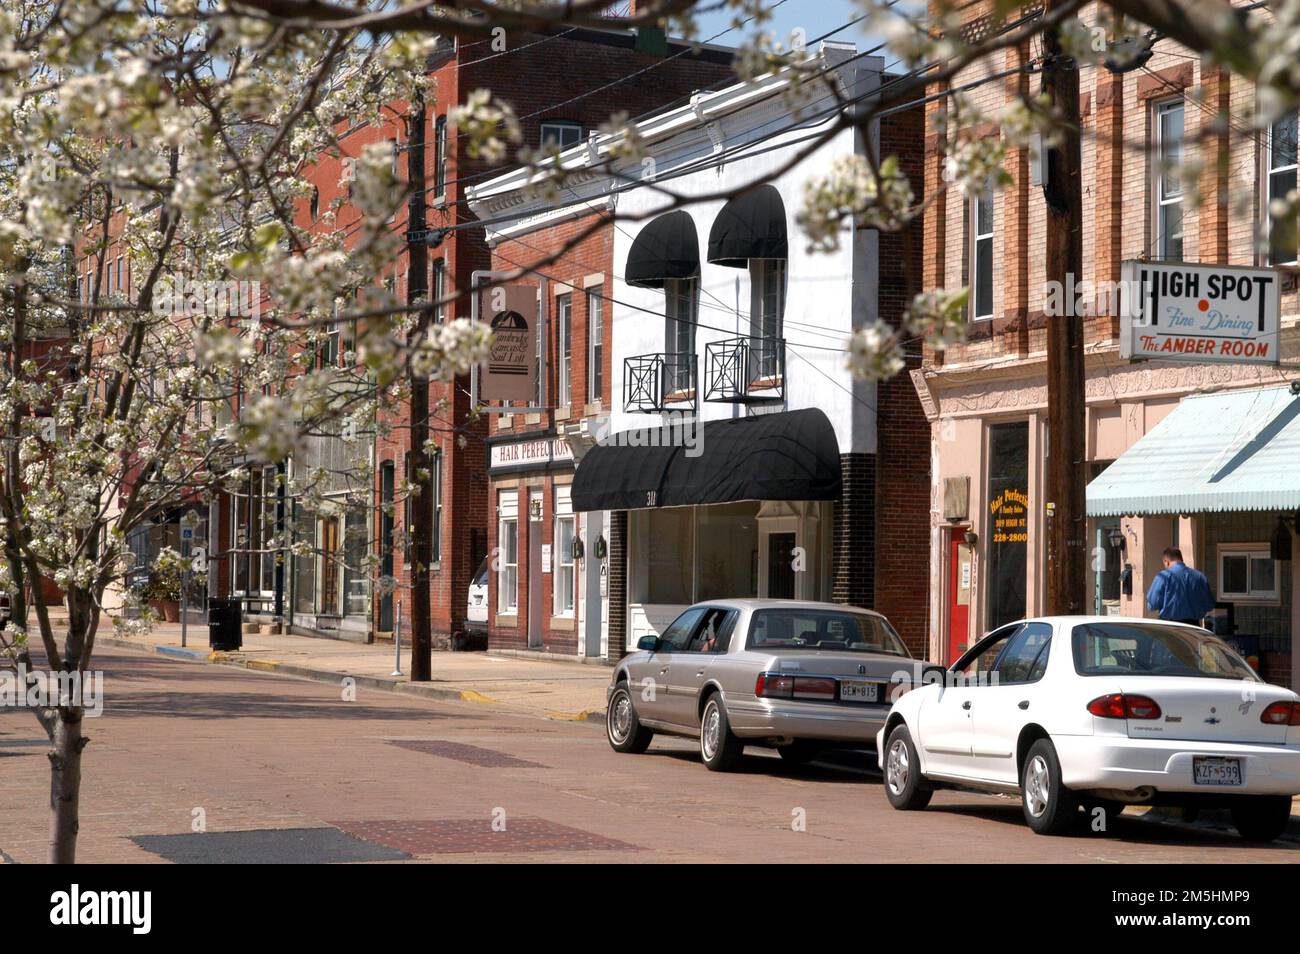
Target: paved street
[[391, 778]]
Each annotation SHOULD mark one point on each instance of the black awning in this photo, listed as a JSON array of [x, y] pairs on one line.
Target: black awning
[[791, 455], [749, 226], [665, 249]]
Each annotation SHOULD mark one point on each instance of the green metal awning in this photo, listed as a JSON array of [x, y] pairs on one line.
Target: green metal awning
[[1237, 450]]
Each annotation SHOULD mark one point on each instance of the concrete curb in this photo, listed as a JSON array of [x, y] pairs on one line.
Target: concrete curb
[[380, 683]]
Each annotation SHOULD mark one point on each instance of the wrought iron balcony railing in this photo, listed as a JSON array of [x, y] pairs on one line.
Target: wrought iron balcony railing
[[660, 382], [744, 370]]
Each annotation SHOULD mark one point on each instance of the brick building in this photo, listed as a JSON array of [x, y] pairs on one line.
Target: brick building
[[1143, 131], [562, 86], [729, 359]]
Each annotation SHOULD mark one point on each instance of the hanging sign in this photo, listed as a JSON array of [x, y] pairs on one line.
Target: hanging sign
[[510, 373], [1221, 314]]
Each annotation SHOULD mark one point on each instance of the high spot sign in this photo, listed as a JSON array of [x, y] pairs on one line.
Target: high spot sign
[[1206, 313]]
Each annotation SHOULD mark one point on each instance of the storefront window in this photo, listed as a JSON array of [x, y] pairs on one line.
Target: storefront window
[[1008, 521], [356, 539], [508, 579], [728, 551], [669, 535], [304, 586], [564, 568], [1247, 573]]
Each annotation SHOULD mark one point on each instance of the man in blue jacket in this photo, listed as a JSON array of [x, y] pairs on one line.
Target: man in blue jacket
[[1179, 593]]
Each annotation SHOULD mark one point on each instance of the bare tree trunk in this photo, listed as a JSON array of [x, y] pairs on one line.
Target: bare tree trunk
[[64, 727]]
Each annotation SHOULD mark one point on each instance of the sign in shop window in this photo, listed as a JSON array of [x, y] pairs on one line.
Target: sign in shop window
[[1008, 539]]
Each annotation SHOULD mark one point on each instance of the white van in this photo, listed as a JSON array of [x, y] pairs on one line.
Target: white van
[[476, 609]]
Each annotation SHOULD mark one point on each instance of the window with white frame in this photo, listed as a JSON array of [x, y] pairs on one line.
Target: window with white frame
[[981, 254], [1167, 185], [565, 575], [564, 348], [508, 553], [561, 133], [438, 286], [680, 310], [1247, 573], [1282, 237], [440, 156], [435, 479], [766, 312], [595, 343]]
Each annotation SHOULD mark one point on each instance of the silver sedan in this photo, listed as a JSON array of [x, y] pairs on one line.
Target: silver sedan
[[797, 676]]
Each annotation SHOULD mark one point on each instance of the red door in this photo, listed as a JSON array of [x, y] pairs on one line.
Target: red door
[[959, 593]]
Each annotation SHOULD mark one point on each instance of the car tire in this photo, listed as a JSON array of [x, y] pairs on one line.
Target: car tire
[[622, 727], [798, 752], [719, 748], [1050, 808], [1261, 817], [905, 786]]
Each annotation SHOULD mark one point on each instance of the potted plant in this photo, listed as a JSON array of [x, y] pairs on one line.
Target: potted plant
[[162, 589]]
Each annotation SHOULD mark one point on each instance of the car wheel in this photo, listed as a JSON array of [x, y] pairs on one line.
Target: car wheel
[[1261, 817], [905, 786], [798, 752], [719, 748], [1050, 808], [624, 729]]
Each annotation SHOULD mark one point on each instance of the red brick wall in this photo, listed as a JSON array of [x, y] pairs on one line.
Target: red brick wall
[[902, 485], [590, 254]]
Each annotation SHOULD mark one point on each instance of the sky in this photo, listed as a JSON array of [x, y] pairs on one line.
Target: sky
[[815, 17]]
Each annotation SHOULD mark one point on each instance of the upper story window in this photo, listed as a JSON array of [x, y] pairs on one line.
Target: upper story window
[[680, 302], [315, 204], [435, 502], [438, 286], [1282, 238], [440, 156], [564, 348], [766, 312], [561, 133], [595, 343], [327, 352], [1168, 181], [981, 254]]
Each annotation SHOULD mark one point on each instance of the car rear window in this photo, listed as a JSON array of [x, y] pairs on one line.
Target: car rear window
[[805, 629], [1147, 649]]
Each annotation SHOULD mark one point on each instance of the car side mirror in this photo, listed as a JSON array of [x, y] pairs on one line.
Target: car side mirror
[[648, 643]]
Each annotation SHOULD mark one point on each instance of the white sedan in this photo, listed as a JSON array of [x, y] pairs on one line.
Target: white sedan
[[1087, 712]]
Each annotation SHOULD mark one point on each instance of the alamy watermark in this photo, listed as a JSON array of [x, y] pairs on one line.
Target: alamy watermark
[[39, 689], [679, 429]]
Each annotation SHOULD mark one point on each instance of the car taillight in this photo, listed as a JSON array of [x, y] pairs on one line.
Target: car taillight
[[1281, 713], [814, 687], [1119, 705], [774, 686]]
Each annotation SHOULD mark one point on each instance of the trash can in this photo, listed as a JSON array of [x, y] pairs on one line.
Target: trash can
[[225, 624]]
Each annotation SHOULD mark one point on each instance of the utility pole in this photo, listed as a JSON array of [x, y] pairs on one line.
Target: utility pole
[[417, 461], [1066, 461]]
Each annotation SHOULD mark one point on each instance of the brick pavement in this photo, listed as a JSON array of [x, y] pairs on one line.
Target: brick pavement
[[184, 746]]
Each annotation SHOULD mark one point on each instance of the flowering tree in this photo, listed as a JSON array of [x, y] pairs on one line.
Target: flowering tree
[[161, 294]]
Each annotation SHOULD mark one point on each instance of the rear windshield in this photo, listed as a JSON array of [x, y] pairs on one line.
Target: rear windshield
[[1137, 649], [480, 578], [823, 629]]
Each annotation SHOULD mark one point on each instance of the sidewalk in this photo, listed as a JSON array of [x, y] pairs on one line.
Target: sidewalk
[[554, 689]]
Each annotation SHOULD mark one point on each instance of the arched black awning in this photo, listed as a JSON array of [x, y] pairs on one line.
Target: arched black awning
[[749, 226], [666, 249], [790, 455]]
